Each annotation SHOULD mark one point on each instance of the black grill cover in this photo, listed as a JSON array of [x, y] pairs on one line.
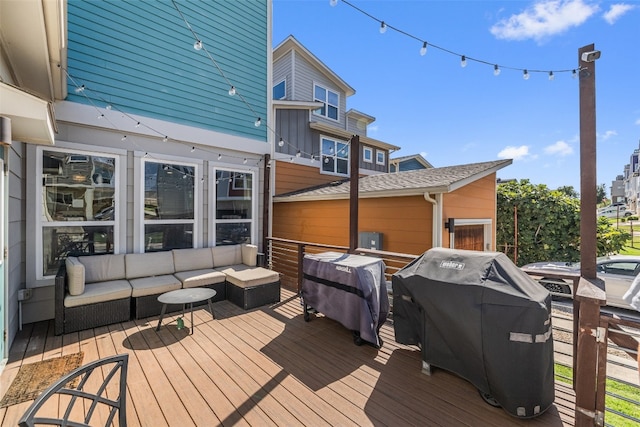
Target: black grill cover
[[478, 315]]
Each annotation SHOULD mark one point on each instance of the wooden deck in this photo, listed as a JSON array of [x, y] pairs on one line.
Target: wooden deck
[[268, 367]]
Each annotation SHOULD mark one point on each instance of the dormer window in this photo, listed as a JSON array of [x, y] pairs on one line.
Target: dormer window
[[330, 100]]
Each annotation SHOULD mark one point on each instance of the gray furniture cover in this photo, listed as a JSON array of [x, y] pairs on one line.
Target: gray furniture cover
[[478, 315], [348, 288]]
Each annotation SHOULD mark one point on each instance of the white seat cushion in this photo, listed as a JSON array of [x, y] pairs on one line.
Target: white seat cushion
[[226, 255], [149, 264], [204, 277], [192, 259], [100, 292], [103, 268], [245, 277], [75, 275], [154, 285]]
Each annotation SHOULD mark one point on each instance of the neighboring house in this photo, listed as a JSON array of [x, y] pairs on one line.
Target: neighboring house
[[313, 125], [617, 190], [148, 150], [408, 212], [408, 163]]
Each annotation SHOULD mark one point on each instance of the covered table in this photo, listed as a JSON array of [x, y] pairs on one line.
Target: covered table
[[350, 289]]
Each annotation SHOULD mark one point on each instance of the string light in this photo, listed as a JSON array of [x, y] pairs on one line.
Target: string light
[[333, 2], [219, 156], [258, 122], [298, 154], [232, 91], [244, 162], [197, 45], [79, 89], [281, 142], [496, 70], [138, 124], [525, 75], [384, 26], [100, 116], [165, 139], [463, 61], [108, 107], [551, 76], [124, 138], [193, 149]]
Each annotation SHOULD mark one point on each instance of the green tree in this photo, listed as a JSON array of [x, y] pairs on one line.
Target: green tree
[[548, 224], [601, 193], [569, 191]]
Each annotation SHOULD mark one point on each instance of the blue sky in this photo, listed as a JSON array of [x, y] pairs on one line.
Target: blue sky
[[453, 115]]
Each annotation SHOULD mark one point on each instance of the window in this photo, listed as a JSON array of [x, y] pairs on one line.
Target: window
[[168, 206], [280, 90], [335, 156], [367, 154], [77, 212], [234, 207], [380, 157], [330, 101]]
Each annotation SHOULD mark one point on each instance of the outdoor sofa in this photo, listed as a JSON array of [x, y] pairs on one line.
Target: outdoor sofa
[[97, 290]]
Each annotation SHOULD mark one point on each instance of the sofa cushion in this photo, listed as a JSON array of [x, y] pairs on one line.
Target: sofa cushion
[[149, 264], [154, 285], [103, 268], [244, 276], [204, 277], [75, 275], [226, 255], [192, 259], [100, 292], [250, 255]]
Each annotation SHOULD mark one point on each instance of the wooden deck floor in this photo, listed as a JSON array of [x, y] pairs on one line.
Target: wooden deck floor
[[267, 367]]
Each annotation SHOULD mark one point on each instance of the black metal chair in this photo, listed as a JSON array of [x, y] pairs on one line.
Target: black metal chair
[[87, 400]]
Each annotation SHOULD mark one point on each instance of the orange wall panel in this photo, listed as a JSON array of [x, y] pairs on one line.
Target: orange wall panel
[[293, 177]]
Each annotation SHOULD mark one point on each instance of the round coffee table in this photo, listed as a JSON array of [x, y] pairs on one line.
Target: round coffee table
[[185, 296]]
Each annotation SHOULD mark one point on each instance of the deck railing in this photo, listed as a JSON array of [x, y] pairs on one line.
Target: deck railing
[[591, 330]]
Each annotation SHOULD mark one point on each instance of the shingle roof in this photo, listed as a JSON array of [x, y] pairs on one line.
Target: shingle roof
[[415, 182]]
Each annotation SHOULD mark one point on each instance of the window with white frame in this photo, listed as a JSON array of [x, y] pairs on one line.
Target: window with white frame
[[330, 100], [280, 90], [334, 156], [367, 154], [381, 157], [77, 212], [234, 206], [169, 205]]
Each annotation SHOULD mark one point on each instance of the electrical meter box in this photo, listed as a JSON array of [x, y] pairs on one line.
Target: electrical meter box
[[370, 240]]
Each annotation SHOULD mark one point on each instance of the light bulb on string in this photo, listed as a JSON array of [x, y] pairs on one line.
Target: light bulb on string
[[79, 89], [383, 27], [258, 122], [197, 45], [551, 76], [108, 107], [165, 139], [193, 149], [219, 156], [281, 142], [298, 154], [496, 70], [291, 160], [100, 116], [333, 2], [326, 160], [313, 158], [423, 49], [138, 124], [574, 74], [463, 61], [124, 138], [244, 161], [232, 91], [525, 75]]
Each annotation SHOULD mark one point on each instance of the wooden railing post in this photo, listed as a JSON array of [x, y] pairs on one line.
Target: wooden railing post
[[300, 263], [586, 358]]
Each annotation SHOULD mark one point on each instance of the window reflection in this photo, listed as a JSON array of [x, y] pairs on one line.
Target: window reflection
[[60, 242], [234, 207]]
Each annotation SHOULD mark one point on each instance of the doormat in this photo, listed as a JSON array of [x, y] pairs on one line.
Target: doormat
[[33, 378]]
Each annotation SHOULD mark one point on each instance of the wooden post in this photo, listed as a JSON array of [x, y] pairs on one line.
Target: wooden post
[[354, 157], [265, 206]]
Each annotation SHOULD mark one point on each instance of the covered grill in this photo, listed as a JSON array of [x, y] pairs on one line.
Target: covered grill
[[478, 315]]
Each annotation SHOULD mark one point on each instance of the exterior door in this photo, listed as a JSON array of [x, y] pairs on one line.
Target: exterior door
[[469, 237]]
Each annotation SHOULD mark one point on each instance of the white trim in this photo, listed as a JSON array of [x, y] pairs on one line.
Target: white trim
[[384, 155], [213, 197], [139, 189], [119, 228], [364, 154], [488, 229]]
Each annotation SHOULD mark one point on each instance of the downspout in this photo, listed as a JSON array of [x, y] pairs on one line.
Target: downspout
[[437, 218]]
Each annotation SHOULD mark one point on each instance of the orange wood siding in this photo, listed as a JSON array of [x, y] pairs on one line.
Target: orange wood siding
[[476, 200], [405, 222], [293, 177]]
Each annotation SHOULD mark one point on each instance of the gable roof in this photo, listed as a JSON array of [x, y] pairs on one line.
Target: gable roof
[[409, 183], [417, 157], [290, 43]]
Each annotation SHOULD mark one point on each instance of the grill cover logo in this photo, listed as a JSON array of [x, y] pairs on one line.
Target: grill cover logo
[[452, 265]]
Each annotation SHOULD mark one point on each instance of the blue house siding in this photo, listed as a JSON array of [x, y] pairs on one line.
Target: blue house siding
[[408, 165], [138, 56]]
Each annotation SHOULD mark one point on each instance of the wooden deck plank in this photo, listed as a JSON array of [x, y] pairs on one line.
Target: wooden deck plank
[[268, 367]]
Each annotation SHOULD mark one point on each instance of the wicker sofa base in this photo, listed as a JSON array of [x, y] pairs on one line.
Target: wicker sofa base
[[95, 315], [148, 306], [253, 296]]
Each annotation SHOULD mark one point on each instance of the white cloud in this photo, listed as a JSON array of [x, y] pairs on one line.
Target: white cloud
[[616, 11], [608, 134], [544, 19], [560, 148], [373, 128], [424, 154], [515, 153], [638, 122]]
